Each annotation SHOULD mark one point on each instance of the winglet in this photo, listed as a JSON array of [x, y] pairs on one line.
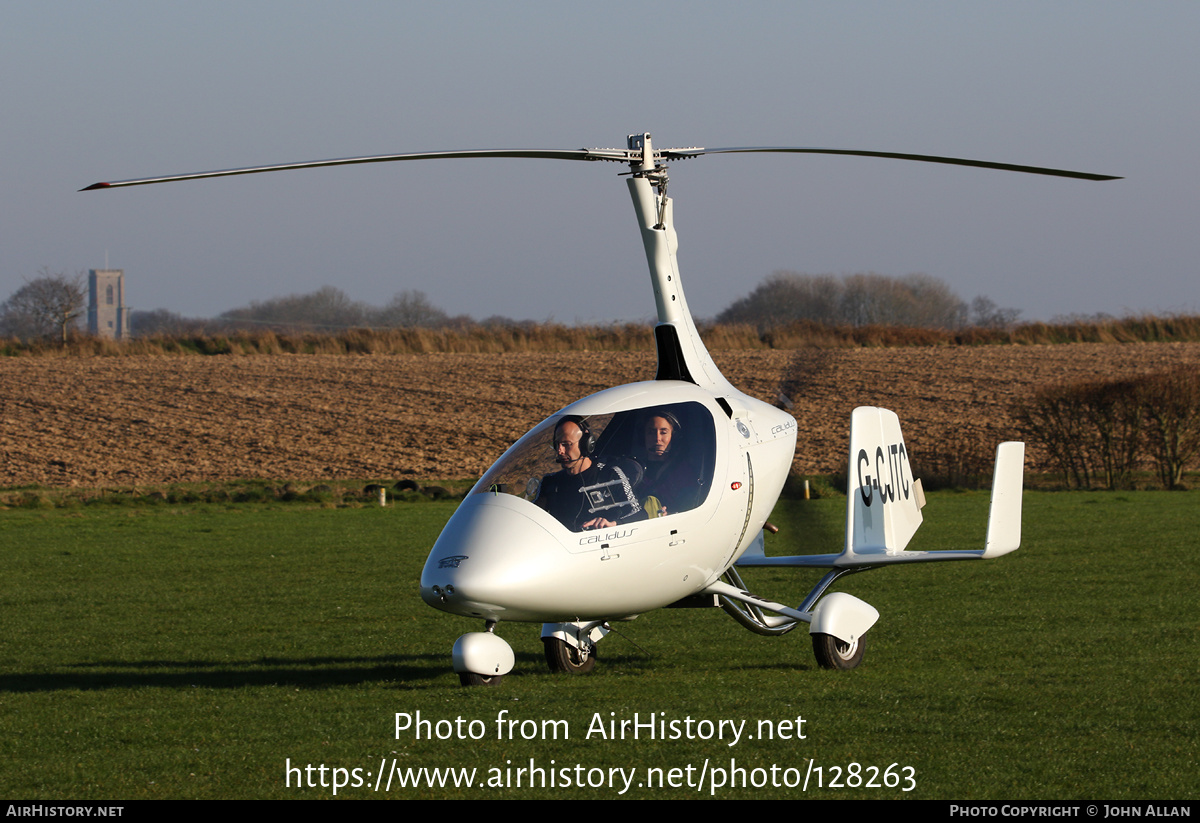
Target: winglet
[[1004, 517]]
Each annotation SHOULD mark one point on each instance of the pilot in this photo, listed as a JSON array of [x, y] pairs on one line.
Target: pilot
[[588, 493], [670, 483]]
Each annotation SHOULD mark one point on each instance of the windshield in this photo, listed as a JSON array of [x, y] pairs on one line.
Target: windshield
[[600, 470]]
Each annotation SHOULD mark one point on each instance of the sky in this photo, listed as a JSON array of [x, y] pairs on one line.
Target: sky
[[121, 89]]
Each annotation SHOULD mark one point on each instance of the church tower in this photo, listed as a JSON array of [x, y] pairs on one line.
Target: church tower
[[107, 315]]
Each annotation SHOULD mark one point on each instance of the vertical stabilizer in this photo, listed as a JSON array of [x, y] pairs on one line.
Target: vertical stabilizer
[[882, 499]]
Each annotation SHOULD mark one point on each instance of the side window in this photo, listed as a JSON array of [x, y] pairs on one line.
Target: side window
[[676, 445]]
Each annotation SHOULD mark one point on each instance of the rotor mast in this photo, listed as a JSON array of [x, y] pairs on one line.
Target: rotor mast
[[681, 353]]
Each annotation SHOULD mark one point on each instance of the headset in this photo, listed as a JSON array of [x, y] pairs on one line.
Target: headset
[[587, 443], [676, 428]]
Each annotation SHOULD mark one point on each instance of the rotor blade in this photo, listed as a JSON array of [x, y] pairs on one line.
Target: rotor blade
[[612, 155], [924, 158], [553, 154]]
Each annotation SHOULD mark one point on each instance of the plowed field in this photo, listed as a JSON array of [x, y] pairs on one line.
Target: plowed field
[[146, 420]]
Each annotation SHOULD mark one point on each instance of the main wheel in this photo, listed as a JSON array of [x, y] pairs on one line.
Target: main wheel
[[837, 654], [561, 656], [472, 679]]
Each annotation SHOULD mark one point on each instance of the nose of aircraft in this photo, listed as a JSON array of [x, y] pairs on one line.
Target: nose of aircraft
[[493, 561]]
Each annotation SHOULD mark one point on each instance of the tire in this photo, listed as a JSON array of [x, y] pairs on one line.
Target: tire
[[472, 679], [835, 654], [563, 657]]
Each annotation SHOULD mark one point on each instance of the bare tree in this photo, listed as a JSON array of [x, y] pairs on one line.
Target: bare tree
[[787, 296], [1114, 410], [1104, 427], [330, 309], [167, 323], [48, 306], [411, 309], [986, 314], [1172, 403], [326, 309], [1053, 418], [865, 299]]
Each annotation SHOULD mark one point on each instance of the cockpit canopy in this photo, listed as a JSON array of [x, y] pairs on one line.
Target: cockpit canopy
[[632, 474]]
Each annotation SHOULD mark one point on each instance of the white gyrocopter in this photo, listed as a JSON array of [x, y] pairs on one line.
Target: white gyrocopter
[[654, 493]]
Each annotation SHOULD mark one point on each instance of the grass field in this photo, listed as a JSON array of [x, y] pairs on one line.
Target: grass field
[[198, 651]]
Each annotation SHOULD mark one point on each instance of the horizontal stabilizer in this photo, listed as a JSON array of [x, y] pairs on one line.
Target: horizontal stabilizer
[[1003, 532]]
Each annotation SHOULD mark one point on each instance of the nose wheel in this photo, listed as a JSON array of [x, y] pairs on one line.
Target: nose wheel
[[472, 679], [482, 658]]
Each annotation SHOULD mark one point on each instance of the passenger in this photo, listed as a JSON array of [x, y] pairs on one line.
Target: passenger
[[670, 484], [588, 493]]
